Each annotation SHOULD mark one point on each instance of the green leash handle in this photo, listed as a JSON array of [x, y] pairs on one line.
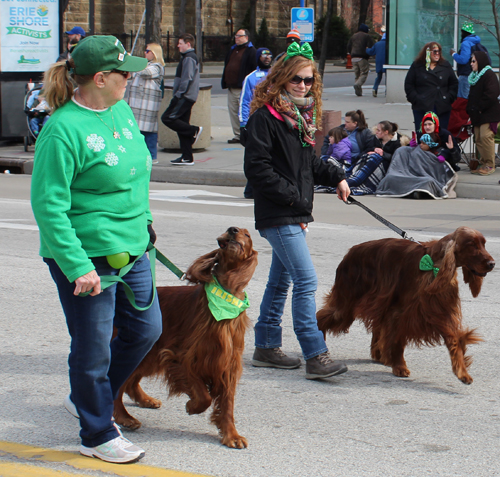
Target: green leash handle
[[154, 254]]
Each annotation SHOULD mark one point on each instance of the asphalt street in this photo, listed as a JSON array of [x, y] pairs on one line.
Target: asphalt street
[[366, 422]]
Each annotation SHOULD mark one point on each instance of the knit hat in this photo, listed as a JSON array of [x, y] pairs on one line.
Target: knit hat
[[426, 139], [260, 52], [294, 34], [364, 28], [468, 27], [104, 53], [432, 117]]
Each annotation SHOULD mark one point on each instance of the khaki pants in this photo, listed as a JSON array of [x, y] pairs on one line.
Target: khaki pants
[[485, 144], [361, 69], [233, 105]]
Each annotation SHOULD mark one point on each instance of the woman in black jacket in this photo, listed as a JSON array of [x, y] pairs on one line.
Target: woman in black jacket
[[431, 85], [484, 110], [281, 166]]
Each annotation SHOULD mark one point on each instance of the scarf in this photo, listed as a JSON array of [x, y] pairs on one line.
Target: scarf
[[299, 113], [474, 76], [224, 305]]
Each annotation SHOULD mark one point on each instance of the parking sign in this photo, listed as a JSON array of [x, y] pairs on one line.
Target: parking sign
[[303, 21]]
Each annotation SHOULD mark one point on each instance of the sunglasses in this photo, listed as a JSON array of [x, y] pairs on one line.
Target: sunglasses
[[298, 79], [473, 61], [147, 51], [123, 73], [238, 36], [436, 52]]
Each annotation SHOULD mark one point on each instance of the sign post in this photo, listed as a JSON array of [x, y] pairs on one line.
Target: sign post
[[303, 21]]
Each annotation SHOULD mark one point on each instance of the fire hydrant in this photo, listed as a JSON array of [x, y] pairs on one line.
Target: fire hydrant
[[348, 65]]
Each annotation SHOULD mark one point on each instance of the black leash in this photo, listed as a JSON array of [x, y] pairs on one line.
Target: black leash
[[350, 200]]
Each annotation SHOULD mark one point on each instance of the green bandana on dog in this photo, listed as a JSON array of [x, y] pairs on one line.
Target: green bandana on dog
[[427, 264], [222, 304]]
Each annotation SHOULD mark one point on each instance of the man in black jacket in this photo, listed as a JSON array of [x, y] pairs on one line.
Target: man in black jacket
[[356, 47], [240, 61]]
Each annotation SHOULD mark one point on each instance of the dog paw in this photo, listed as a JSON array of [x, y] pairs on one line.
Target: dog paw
[[401, 371], [131, 423], [150, 403], [235, 442], [465, 378]]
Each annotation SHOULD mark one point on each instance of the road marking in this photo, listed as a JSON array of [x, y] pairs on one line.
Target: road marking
[[7, 224], [185, 196], [73, 459]]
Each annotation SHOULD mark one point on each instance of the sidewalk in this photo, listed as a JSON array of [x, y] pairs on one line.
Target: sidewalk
[[222, 163]]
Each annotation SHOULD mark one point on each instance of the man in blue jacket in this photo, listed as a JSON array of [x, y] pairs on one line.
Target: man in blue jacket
[[264, 60], [378, 50], [470, 42]]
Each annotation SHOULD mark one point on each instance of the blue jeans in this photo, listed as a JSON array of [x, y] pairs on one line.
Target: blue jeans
[[463, 87], [152, 143], [98, 366], [378, 79], [291, 262]]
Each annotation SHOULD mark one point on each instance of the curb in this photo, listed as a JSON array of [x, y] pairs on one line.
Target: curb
[[191, 175]]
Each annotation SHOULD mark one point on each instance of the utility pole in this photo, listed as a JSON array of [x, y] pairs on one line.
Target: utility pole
[[153, 21], [199, 34]]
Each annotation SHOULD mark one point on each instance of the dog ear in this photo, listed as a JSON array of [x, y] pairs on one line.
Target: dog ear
[[200, 271], [237, 278], [447, 270], [475, 282]]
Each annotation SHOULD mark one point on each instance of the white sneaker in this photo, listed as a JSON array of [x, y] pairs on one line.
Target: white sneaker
[[117, 451], [197, 135], [70, 406]]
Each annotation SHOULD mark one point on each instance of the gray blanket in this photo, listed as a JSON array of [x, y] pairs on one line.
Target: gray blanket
[[414, 170]]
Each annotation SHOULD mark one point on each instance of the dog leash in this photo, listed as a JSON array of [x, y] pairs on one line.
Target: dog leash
[[154, 254], [350, 200]]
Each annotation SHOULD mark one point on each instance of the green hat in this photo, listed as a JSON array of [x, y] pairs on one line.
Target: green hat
[[468, 27], [103, 53]]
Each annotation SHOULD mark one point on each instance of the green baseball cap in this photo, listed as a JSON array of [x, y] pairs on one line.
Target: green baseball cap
[[103, 53]]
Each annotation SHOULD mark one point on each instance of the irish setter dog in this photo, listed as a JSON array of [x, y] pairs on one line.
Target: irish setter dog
[[381, 284], [197, 355]]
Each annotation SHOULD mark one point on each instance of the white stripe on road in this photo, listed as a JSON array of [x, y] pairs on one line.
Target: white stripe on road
[[188, 197]]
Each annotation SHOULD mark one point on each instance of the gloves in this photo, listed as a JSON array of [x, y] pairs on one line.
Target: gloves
[[441, 158], [413, 142], [152, 234]]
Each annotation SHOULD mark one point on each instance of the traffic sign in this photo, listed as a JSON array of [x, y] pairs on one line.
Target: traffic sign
[[303, 21]]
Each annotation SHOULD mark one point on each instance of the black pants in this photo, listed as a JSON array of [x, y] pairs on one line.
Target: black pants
[[176, 117]]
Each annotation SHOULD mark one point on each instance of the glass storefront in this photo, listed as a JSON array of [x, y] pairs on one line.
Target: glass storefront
[[413, 23]]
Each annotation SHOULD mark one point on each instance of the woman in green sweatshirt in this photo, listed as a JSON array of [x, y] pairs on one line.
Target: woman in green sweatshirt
[[90, 197]]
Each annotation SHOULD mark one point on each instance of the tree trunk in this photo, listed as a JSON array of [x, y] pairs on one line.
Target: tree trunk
[[153, 21], [363, 11], [253, 19], [324, 40], [182, 17], [199, 35]]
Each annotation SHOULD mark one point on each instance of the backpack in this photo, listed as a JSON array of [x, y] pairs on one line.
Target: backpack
[[480, 47]]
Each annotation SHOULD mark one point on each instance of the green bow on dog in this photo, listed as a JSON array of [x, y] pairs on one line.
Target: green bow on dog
[[427, 264], [296, 50]]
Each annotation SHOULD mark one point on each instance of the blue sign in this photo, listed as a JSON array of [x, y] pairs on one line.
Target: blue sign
[[303, 21]]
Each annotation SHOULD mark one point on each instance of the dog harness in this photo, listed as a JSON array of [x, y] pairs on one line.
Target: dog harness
[[224, 305]]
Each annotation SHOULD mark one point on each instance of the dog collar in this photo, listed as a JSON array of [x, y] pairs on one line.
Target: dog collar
[[427, 264], [224, 305]]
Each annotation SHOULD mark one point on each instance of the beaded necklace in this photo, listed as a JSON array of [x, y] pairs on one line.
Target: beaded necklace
[[116, 134]]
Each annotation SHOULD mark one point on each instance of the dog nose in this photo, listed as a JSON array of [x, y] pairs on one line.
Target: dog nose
[[233, 230], [491, 264]]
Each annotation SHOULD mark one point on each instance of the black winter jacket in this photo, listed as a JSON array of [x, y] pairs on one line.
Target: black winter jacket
[[389, 147], [483, 106], [247, 65], [432, 90], [282, 172]]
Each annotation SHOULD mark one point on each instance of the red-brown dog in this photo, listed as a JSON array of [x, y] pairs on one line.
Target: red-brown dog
[[381, 283], [197, 355]]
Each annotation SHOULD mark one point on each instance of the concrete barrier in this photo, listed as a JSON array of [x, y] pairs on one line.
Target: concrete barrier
[[201, 115]]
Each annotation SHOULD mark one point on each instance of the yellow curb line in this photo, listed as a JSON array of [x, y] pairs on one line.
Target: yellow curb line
[[74, 460]]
